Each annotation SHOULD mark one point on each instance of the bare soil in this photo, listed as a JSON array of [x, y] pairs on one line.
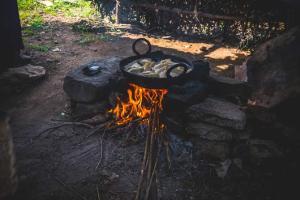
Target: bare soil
[[62, 164]]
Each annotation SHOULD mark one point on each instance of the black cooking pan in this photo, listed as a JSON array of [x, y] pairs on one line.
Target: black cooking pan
[[155, 83]]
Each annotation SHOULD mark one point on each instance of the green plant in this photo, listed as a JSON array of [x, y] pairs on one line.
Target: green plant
[[87, 38], [86, 26], [78, 8], [39, 47], [37, 23], [31, 11], [28, 4], [105, 37]]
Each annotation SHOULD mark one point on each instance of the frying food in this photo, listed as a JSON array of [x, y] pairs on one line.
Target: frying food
[[149, 68]]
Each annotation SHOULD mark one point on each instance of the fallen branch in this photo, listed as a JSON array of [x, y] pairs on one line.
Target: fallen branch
[[98, 119], [55, 127], [180, 11]]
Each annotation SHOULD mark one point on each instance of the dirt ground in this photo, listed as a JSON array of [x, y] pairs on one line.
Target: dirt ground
[[63, 164]]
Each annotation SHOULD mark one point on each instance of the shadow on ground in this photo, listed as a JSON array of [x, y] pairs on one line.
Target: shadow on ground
[[64, 163]]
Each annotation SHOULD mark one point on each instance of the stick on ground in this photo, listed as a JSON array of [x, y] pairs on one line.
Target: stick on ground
[[57, 126]]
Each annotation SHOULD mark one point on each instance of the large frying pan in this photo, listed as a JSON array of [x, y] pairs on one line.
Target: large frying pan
[[156, 83]]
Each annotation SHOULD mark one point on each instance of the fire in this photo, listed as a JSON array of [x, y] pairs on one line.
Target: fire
[[145, 105], [141, 103]]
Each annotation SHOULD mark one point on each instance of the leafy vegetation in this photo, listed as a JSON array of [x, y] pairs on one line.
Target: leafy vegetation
[[87, 38], [41, 48], [74, 8], [85, 26], [32, 11]]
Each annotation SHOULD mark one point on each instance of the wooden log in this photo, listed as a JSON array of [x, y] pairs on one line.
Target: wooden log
[[186, 12], [8, 177]]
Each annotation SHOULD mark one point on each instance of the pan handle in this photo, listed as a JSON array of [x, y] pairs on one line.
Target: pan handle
[[141, 40], [185, 68]]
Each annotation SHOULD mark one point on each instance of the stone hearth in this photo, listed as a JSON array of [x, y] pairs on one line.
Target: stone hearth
[[215, 123]]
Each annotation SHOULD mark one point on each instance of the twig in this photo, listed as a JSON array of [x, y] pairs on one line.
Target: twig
[[109, 126], [167, 145], [95, 120], [100, 127], [150, 160], [63, 124], [101, 150], [132, 129], [151, 179], [98, 194], [153, 172], [143, 168], [150, 156]]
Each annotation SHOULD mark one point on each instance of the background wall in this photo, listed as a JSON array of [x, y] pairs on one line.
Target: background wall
[[246, 22]]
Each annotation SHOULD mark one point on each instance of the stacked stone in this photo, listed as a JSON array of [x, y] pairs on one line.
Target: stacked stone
[[216, 123], [89, 94]]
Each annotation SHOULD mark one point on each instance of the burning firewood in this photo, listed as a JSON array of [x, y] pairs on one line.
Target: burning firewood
[[143, 106]]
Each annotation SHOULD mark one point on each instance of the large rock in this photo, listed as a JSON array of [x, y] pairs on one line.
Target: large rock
[[273, 70], [83, 88], [218, 112], [25, 73], [212, 150], [257, 151], [262, 149], [208, 132], [228, 87], [87, 110], [222, 168]]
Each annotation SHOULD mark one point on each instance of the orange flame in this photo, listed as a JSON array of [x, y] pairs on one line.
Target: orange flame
[[139, 105]]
